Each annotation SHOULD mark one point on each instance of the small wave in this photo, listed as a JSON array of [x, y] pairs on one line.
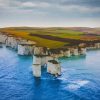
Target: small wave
[[61, 78], [52, 79], [2, 76], [67, 69], [77, 84], [63, 69]]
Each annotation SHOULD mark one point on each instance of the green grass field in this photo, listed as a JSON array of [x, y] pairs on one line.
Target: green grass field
[[24, 32]]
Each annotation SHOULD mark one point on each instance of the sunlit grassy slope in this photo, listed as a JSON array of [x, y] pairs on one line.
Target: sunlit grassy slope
[[24, 32]]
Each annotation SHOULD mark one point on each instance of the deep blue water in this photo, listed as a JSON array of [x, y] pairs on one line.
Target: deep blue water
[[80, 78]]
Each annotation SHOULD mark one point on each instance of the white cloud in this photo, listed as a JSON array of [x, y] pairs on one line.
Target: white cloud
[[35, 4], [12, 6], [82, 9], [7, 4], [28, 4], [54, 11]]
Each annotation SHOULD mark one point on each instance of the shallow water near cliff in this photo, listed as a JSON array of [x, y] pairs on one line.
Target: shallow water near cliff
[[80, 79]]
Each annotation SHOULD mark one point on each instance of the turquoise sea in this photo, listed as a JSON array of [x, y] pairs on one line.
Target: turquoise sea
[[80, 79]]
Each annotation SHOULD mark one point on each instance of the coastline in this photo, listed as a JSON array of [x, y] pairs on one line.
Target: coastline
[[43, 56]]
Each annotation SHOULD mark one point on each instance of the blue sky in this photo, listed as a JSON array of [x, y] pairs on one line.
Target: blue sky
[[49, 13]]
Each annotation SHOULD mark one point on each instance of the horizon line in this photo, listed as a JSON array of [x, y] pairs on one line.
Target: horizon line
[[48, 26]]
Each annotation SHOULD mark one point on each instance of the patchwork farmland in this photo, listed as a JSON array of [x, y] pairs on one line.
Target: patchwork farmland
[[55, 37]]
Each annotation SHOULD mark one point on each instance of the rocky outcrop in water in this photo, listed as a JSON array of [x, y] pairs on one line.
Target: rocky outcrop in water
[[43, 56], [53, 67]]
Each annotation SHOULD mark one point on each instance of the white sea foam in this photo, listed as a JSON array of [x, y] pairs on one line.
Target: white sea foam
[[63, 69], [68, 69], [77, 84], [81, 82], [61, 78], [73, 86]]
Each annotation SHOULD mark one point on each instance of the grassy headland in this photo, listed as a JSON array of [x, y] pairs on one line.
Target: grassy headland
[[54, 37]]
